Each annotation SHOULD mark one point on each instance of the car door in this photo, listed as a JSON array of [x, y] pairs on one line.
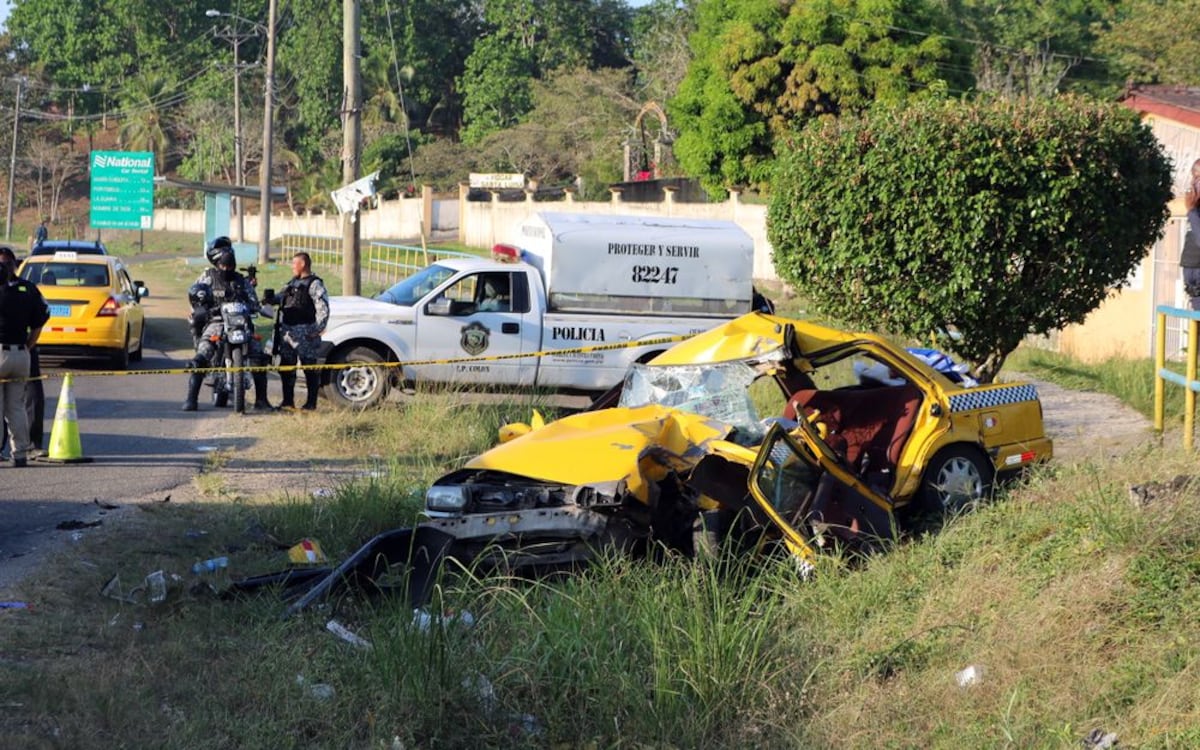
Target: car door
[[808, 493], [135, 316], [460, 323]]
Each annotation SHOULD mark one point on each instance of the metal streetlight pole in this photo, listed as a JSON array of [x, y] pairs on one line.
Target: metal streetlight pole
[[264, 245], [231, 35]]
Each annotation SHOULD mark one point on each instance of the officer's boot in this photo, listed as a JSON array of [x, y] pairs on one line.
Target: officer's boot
[[312, 381], [195, 380], [261, 403], [288, 379]]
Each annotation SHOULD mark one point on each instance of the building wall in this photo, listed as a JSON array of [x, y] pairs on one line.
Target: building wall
[[1124, 325], [483, 223]]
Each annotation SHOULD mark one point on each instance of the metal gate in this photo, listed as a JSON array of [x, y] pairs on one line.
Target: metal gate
[[1167, 289]]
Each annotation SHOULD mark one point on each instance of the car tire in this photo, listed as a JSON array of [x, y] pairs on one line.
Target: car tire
[[136, 354], [358, 387], [957, 477], [120, 357]]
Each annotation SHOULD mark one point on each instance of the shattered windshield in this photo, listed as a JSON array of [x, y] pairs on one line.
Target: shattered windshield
[[408, 291], [718, 391]]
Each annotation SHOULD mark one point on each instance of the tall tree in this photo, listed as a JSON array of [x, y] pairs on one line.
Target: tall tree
[[575, 129], [1154, 41], [999, 219], [764, 67], [661, 53], [526, 40], [1034, 47], [147, 116]]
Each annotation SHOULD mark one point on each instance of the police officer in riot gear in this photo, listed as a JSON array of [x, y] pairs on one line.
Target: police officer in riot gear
[[217, 285], [303, 313]]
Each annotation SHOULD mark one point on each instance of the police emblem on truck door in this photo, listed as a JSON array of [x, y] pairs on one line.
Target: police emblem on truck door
[[474, 339]]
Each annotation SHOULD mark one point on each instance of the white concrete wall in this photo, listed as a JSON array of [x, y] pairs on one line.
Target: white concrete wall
[[484, 223], [399, 217]]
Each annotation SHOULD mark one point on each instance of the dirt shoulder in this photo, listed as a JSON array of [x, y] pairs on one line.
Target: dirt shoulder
[[1087, 425]]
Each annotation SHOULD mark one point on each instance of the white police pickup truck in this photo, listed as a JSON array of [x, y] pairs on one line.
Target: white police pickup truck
[[571, 281]]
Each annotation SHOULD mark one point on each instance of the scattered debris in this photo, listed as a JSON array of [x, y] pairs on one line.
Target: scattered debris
[[76, 524], [307, 552], [1098, 739], [319, 690], [969, 676], [422, 619], [341, 631], [322, 493], [195, 534], [15, 605], [1142, 495], [156, 587], [105, 506]]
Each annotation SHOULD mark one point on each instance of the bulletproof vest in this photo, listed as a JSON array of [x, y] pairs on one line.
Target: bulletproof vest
[[298, 307], [223, 291]]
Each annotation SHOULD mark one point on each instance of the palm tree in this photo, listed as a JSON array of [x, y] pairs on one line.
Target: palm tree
[[146, 104]]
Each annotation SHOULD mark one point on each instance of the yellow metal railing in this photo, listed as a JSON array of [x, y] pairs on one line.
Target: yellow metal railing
[[1162, 375]]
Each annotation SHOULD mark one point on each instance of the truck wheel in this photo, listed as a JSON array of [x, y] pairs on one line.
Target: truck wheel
[[357, 387], [957, 476]]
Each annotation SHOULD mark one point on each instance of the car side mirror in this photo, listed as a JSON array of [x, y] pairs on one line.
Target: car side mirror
[[440, 306], [142, 290]]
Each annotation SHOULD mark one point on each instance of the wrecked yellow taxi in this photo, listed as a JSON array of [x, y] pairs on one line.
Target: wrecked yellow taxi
[[765, 431], [762, 424]]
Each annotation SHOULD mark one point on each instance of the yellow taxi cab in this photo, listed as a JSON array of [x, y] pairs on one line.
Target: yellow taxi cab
[[95, 307]]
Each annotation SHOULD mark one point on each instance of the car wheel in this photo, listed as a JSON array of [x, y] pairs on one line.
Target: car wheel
[[120, 357], [136, 354], [361, 386], [958, 476]]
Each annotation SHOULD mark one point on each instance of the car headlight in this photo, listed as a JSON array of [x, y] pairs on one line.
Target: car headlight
[[446, 499]]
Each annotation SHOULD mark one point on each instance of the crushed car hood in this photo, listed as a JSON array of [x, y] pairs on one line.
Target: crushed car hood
[[603, 446]]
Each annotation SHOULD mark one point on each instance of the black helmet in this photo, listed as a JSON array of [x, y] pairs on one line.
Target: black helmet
[[200, 295], [217, 247]]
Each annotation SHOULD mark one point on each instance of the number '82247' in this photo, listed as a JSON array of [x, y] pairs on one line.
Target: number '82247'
[[656, 274]]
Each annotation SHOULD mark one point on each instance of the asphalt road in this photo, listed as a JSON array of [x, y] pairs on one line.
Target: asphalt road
[[131, 428]]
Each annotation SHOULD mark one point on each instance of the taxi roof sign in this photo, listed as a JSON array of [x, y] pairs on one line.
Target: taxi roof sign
[[66, 255]]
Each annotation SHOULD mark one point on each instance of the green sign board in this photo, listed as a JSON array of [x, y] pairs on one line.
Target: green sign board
[[122, 189]]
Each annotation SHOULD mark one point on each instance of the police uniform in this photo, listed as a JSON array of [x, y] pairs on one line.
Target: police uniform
[[22, 310], [233, 289], [303, 315]]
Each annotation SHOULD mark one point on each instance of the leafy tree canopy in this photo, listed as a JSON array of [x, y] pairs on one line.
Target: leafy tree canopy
[[1154, 41], [762, 67], [1035, 47], [527, 40], [999, 219]]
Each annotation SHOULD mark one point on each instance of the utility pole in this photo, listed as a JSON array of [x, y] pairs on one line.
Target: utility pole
[[264, 237], [12, 162], [235, 37], [351, 142]]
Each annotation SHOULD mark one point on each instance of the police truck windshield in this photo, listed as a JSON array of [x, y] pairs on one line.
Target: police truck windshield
[[408, 291]]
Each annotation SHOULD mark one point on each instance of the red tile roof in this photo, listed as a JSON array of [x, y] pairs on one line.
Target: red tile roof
[[1178, 103]]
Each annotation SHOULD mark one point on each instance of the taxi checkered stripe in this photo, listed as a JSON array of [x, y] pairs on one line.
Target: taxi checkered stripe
[[992, 397]]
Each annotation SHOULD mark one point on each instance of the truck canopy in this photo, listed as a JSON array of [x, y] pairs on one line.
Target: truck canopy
[[640, 264]]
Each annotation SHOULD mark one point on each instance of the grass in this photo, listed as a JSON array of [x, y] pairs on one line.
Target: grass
[[1075, 606], [1130, 380]]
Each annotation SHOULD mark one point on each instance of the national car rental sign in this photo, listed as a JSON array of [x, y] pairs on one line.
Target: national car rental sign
[[122, 189]]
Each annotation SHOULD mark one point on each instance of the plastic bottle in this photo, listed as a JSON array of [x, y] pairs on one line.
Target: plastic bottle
[[211, 566]]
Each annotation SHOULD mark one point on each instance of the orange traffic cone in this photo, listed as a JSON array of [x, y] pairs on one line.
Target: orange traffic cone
[[64, 435]]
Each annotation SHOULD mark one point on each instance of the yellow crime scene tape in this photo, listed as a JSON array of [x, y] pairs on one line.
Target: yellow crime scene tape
[[352, 365]]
